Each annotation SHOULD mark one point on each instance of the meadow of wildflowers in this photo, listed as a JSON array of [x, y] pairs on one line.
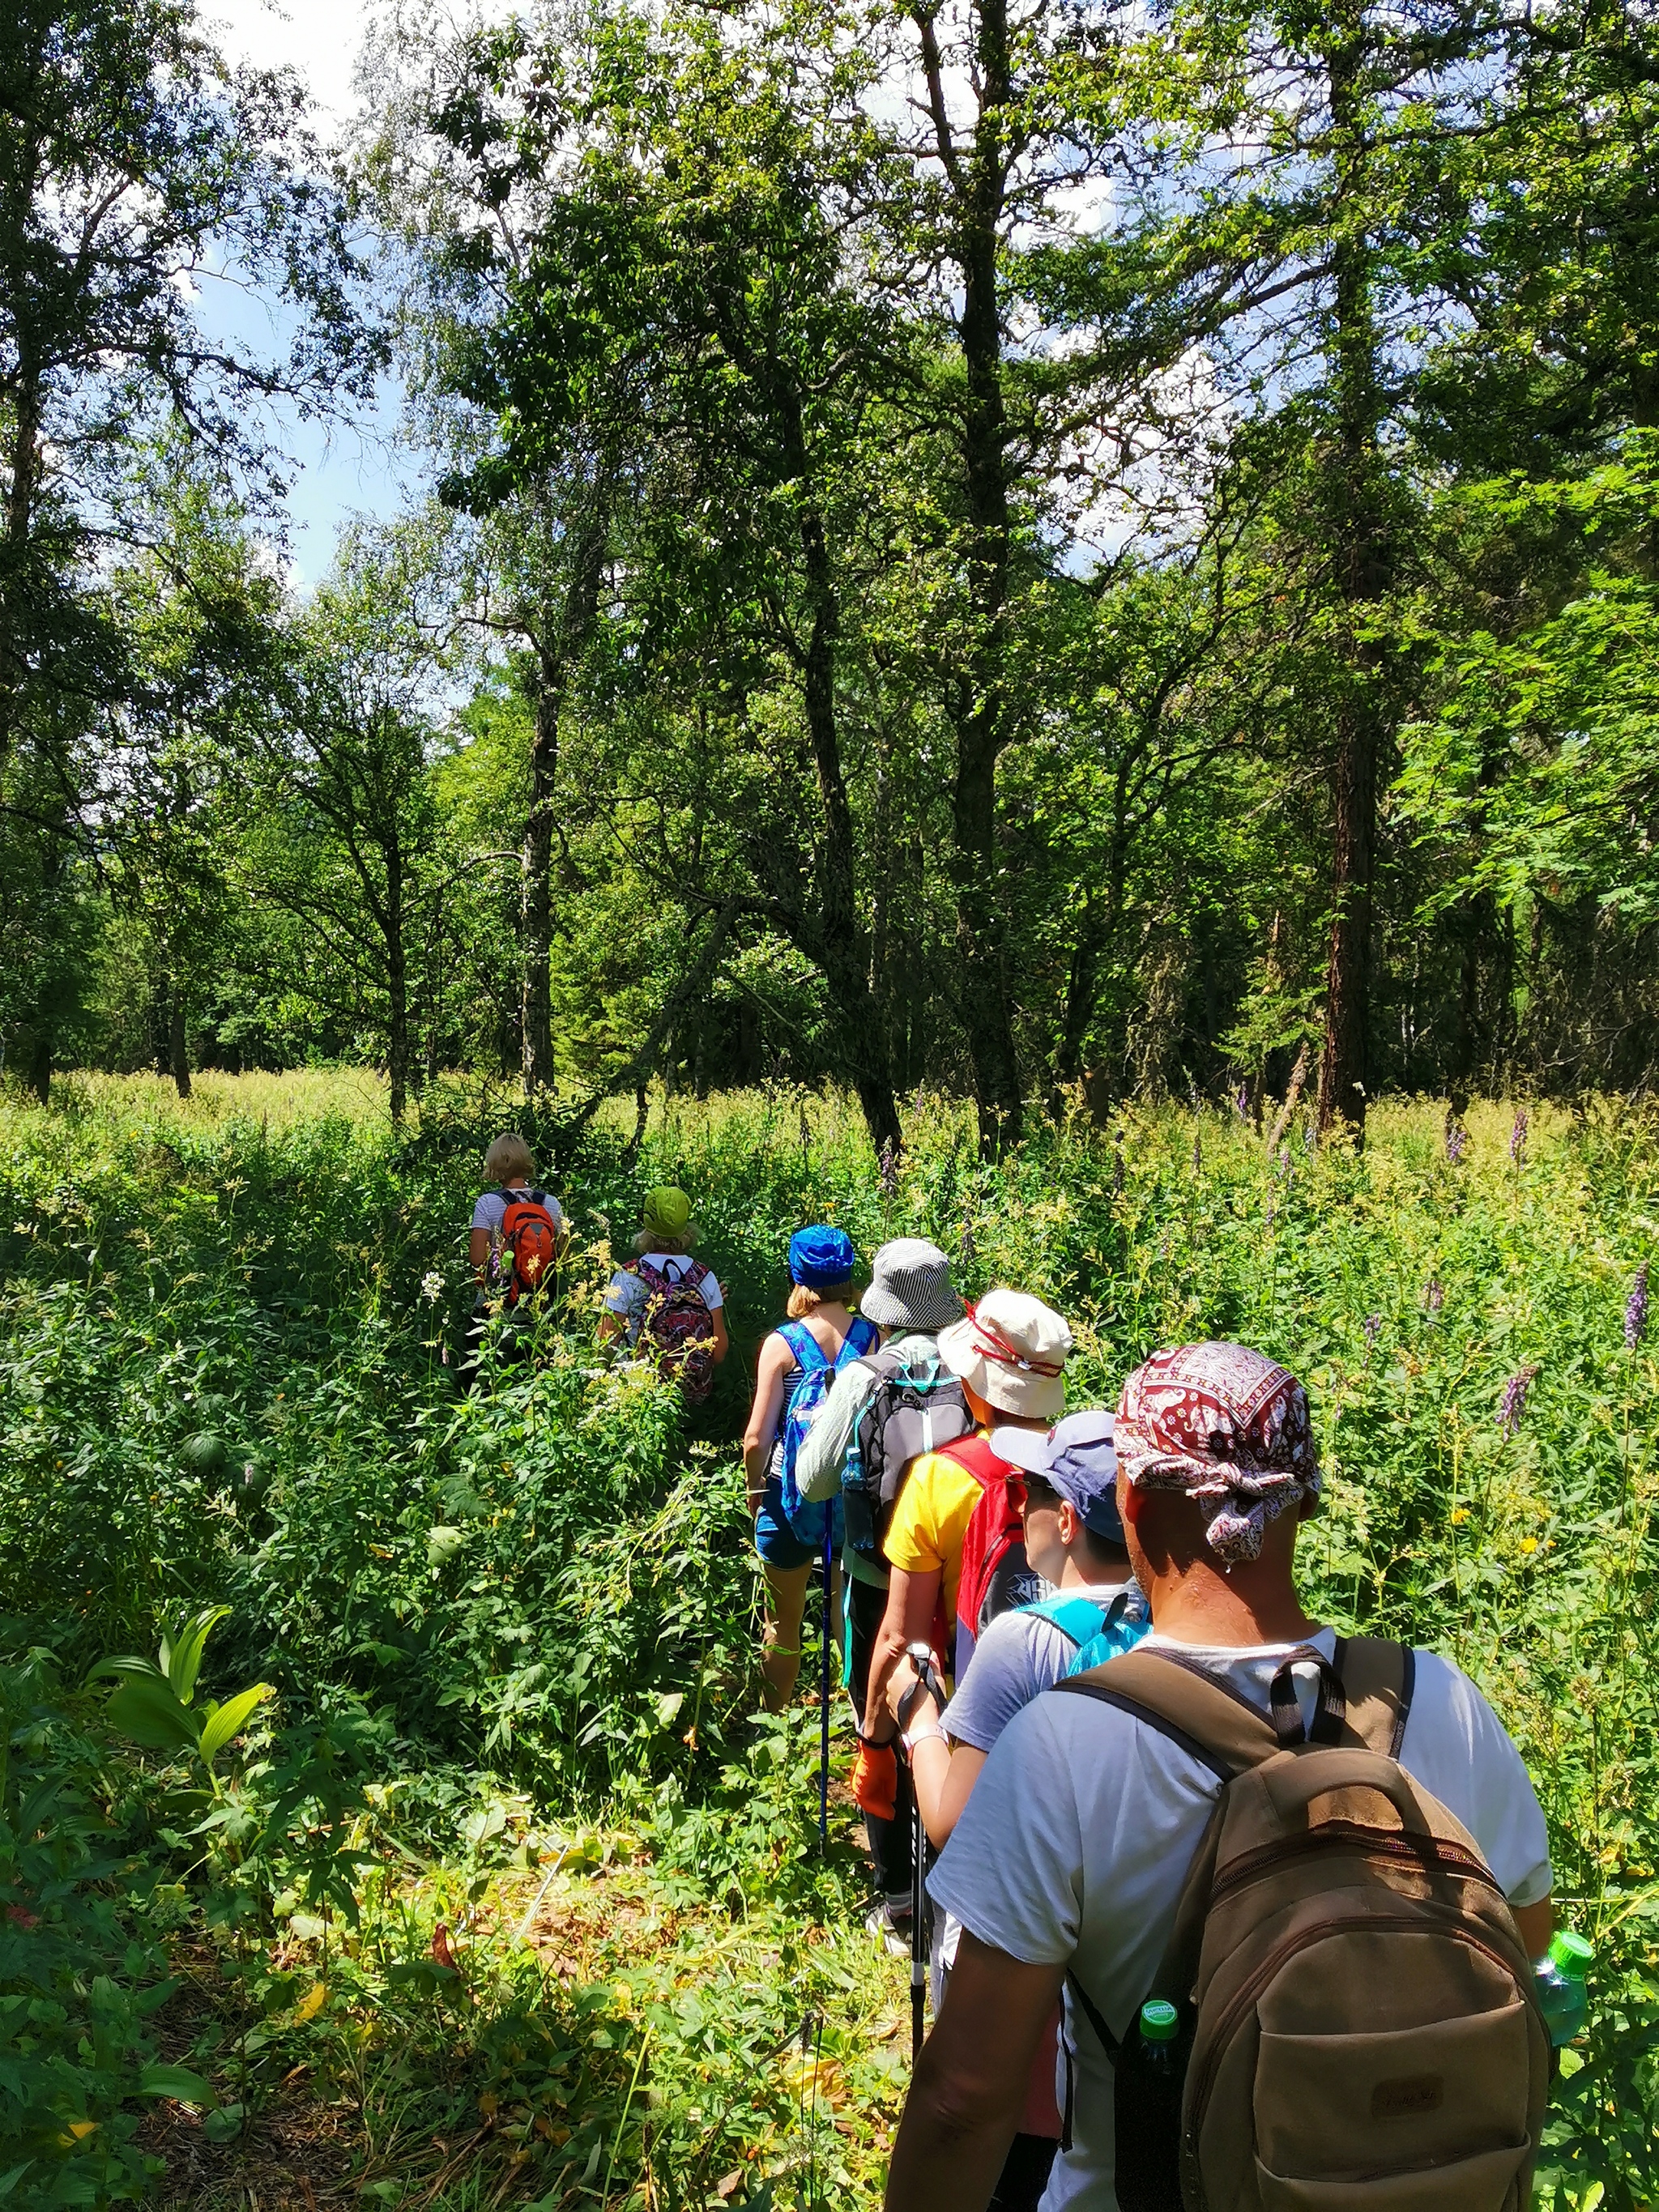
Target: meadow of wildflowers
[[544, 1598]]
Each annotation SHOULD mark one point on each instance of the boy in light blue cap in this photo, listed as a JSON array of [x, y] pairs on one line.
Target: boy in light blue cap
[[1092, 1610]]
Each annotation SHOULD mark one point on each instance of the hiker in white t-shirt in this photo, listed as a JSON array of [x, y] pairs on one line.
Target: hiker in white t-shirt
[[664, 1245], [1071, 1854]]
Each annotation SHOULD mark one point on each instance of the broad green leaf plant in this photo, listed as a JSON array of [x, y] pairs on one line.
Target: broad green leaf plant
[[154, 1702]]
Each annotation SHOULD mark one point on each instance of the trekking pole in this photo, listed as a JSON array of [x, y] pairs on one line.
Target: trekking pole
[[918, 1942], [926, 1680], [824, 1716]]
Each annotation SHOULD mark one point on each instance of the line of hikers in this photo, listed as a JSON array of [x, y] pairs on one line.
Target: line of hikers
[[1229, 1912]]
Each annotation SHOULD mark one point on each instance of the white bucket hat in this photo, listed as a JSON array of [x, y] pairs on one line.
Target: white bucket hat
[[1010, 1350]]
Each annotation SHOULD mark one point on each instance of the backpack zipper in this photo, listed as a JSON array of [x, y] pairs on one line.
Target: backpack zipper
[[1395, 1924], [1341, 1835]]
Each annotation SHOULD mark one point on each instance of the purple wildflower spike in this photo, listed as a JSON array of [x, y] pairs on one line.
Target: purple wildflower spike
[[1373, 1330], [967, 1248], [1435, 1296], [1513, 1404], [889, 1170], [1458, 1141], [1636, 1309], [1518, 1137]]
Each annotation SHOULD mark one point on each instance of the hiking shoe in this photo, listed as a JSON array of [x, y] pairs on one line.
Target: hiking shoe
[[890, 1922]]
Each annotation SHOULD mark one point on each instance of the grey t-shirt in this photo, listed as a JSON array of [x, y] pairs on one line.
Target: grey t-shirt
[[1019, 1657]]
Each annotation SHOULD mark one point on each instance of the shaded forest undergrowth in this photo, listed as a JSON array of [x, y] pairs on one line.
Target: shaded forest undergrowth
[[504, 1893]]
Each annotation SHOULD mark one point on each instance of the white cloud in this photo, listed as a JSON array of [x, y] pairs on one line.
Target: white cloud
[[321, 38]]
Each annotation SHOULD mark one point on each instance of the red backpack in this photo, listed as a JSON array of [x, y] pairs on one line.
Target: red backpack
[[530, 1244], [996, 1576]]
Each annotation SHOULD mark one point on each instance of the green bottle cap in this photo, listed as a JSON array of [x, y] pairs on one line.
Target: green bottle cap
[[1159, 2021], [1571, 1954]]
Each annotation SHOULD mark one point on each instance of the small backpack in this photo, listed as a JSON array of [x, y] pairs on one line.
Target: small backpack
[[996, 1576], [916, 1407], [812, 1521], [678, 1325], [1099, 1631], [530, 1244], [1358, 2008]]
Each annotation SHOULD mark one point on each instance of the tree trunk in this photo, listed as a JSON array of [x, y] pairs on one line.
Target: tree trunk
[[397, 989], [49, 992], [536, 1026], [1082, 986], [160, 1028], [1360, 551], [981, 709], [25, 460], [841, 951], [178, 1043], [558, 640]]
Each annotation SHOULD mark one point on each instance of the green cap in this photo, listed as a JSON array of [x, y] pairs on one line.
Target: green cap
[[667, 1210], [1571, 1954], [1159, 2021]]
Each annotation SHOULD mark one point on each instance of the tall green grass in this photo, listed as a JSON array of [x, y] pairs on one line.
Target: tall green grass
[[549, 1587]]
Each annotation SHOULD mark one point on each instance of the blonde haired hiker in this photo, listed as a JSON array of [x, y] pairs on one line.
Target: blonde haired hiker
[[513, 1245]]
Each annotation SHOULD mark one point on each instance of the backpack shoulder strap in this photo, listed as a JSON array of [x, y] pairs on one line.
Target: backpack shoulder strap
[[973, 1452], [809, 1352], [1378, 1678], [857, 1341], [1210, 1721], [1078, 1617]]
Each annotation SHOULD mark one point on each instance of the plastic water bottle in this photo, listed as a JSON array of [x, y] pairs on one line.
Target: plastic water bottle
[[1561, 1992], [1149, 2070]]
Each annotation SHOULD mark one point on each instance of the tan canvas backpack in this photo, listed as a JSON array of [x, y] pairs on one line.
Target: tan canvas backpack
[[1364, 2032]]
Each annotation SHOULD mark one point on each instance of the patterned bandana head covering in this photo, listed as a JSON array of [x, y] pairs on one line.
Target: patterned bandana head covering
[[1227, 1425]]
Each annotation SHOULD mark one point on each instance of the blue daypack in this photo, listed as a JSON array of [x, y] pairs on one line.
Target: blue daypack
[[814, 1522], [1100, 1631]]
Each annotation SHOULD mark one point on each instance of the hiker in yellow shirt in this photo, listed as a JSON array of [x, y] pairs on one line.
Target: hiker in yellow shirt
[[1009, 1354]]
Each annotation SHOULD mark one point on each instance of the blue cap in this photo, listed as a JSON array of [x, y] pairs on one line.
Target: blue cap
[[821, 1257], [1076, 1458]]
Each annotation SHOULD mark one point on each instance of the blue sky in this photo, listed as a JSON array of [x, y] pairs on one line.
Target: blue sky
[[340, 469]]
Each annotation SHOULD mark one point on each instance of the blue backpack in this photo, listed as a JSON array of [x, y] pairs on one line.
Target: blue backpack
[[813, 1522], [1100, 1631]]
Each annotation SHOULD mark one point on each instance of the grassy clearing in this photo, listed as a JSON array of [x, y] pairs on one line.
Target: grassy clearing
[[524, 1625]]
